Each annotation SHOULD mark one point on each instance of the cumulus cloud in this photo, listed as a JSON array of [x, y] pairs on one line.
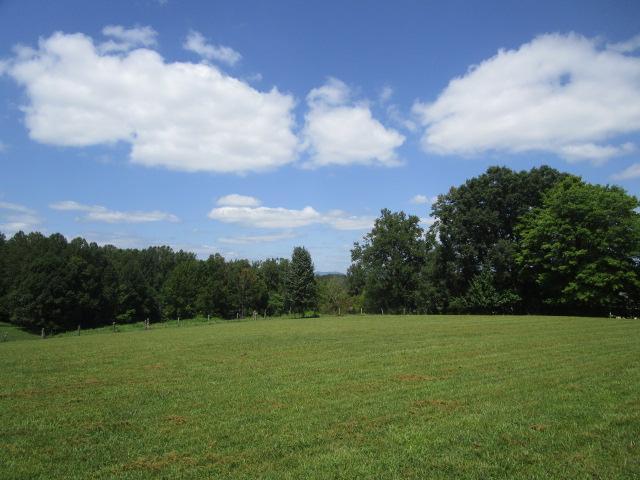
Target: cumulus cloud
[[564, 94], [15, 217], [278, 217], [196, 43], [632, 171], [338, 131], [124, 39], [98, 213], [252, 239], [182, 116], [419, 199], [235, 200]]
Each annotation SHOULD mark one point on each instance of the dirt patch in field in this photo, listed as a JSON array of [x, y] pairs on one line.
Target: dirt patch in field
[[538, 427], [176, 419], [155, 366]]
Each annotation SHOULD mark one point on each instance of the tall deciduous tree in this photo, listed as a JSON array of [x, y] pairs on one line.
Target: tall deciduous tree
[[389, 260], [475, 226], [582, 248], [301, 288]]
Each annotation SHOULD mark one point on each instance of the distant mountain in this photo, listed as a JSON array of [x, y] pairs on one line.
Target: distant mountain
[[325, 274]]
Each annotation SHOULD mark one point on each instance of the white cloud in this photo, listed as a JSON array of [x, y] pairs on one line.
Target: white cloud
[[98, 213], [562, 94], [401, 120], [125, 39], [385, 94], [266, 217], [595, 153], [427, 221], [339, 132], [278, 217], [627, 46], [632, 171], [182, 116], [343, 221], [252, 239], [235, 200], [420, 199], [15, 217], [196, 43]]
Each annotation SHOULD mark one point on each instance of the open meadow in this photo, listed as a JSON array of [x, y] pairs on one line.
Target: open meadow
[[406, 397]]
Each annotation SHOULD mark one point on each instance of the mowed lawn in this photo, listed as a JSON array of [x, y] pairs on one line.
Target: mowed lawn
[[372, 397]]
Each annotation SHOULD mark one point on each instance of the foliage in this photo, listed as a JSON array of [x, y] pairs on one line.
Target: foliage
[[301, 287], [388, 262], [334, 295], [475, 225], [582, 248]]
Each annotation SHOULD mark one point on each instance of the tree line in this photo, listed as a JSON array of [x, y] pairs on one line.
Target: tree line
[[52, 283], [537, 241]]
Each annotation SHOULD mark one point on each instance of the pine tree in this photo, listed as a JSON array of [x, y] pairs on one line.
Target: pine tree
[[301, 288]]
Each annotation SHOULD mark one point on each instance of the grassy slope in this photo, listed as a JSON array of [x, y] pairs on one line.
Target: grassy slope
[[351, 397], [15, 333]]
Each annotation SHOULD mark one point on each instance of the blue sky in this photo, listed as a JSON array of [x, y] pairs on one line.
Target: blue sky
[[247, 128]]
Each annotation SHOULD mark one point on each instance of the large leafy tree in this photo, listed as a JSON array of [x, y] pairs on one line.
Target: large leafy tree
[[582, 248], [301, 287], [388, 262], [475, 227]]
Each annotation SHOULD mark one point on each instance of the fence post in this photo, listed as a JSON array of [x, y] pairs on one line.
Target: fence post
[[78, 330], [114, 327], [42, 333]]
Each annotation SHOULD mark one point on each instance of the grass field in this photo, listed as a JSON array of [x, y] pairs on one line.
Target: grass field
[[10, 333], [352, 397]]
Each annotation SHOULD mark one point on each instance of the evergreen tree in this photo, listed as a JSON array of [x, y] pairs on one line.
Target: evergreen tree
[[301, 288]]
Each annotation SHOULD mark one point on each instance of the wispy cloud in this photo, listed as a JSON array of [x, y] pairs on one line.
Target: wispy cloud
[[279, 217], [628, 46], [236, 200], [196, 43], [251, 239], [632, 171], [98, 213], [124, 39], [15, 217]]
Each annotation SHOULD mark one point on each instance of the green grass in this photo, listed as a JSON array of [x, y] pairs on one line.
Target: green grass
[[10, 333], [353, 397]]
